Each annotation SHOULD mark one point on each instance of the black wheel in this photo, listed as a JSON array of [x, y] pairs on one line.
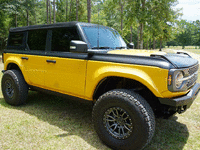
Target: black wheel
[[123, 120], [14, 87]]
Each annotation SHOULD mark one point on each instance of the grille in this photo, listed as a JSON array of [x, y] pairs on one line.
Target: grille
[[191, 81], [193, 69]]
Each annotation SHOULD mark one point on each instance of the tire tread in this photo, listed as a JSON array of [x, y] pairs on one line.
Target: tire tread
[[21, 85], [137, 100]]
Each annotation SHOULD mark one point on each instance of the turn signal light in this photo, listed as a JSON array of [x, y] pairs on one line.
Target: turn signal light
[[169, 79]]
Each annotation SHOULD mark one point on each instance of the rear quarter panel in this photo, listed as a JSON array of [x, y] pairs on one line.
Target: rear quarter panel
[[31, 69]]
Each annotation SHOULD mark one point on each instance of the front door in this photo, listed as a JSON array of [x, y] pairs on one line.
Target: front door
[[65, 71]]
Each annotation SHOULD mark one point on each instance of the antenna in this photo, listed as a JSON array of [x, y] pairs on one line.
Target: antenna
[[98, 26]]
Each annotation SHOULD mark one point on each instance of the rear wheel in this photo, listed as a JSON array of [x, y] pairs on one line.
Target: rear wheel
[[123, 120], [14, 87]]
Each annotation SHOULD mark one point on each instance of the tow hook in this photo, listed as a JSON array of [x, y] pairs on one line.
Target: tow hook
[[181, 109]]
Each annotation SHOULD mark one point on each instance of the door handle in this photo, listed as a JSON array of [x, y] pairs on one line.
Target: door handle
[[51, 61], [24, 58]]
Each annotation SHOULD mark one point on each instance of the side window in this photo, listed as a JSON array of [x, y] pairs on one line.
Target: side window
[[37, 39], [16, 40], [61, 39]]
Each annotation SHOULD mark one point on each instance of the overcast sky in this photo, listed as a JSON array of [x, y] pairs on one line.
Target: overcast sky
[[191, 9]]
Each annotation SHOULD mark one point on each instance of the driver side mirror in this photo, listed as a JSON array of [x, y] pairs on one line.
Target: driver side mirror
[[78, 46], [130, 45]]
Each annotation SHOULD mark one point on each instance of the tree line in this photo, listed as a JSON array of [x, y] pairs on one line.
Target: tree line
[[186, 34], [149, 24]]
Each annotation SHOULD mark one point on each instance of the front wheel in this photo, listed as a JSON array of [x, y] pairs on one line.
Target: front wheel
[[123, 120], [14, 87]]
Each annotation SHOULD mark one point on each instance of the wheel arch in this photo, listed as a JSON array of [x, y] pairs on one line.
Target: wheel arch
[[11, 66], [14, 66], [12, 62], [114, 82], [138, 79]]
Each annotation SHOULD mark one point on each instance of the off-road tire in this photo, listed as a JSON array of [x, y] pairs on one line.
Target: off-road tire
[[132, 106], [14, 87]]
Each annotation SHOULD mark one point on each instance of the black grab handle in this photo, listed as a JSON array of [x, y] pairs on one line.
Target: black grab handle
[[51, 61], [24, 58]]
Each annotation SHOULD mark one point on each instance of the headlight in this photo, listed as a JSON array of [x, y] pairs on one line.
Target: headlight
[[178, 80], [182, 79]]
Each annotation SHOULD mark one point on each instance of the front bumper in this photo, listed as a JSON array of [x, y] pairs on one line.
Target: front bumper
[[183, 101]]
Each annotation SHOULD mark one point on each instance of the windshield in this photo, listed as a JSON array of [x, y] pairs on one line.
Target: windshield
[[108, 38]]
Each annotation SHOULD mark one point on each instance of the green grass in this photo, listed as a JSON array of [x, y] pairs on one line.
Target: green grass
[[50, 122], [196, 51], [47, 122], [186, 47], [192, 49]]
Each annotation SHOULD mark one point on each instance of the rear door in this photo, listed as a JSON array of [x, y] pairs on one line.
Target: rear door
[[65, 71], [34, 57]]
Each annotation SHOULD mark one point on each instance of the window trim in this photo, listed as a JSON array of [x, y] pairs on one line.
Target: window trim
[[48, 40]]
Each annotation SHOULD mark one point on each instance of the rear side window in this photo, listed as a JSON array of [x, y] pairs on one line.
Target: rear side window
[[16, 40], [37, 39]]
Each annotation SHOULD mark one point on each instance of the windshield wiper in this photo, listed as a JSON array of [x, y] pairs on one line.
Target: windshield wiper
[[120, 47], [101, 47]]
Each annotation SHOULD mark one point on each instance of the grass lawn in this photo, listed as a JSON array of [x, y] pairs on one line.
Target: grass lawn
[[50, 122], [197, 51], [192, 49]]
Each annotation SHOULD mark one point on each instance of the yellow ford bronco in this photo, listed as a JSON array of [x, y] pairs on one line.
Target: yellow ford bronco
[[128, 87]]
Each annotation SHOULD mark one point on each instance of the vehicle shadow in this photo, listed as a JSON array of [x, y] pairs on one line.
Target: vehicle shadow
[[169, 134], [75, 118]]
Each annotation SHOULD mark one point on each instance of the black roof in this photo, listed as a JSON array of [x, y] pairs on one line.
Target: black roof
[[55, 25], [45, 26]]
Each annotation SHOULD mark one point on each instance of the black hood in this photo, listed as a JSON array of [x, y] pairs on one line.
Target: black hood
[[181, 60]]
